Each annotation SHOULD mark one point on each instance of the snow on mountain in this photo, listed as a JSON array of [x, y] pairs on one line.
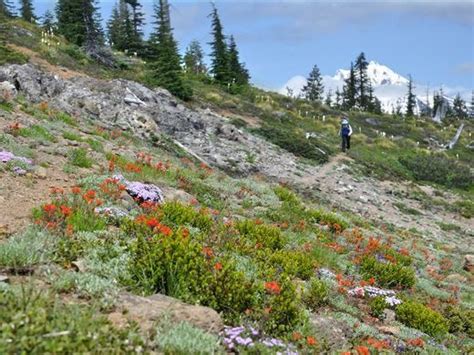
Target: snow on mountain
[[389, 87]]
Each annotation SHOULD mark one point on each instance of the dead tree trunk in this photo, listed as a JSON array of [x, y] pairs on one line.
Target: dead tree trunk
[[453, 142]]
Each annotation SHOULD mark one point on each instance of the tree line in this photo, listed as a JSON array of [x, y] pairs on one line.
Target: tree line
[[80, 23]]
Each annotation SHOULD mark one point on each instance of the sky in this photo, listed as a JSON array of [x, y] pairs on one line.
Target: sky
[[431, 40]]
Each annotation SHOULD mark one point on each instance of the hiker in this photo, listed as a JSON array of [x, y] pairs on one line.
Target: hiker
[[345, 132]]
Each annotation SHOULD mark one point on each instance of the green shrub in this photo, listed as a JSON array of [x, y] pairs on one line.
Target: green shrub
[[10, 56], [184, 339], [316, 294], [387, 274], [72, 136], [64, 117], [78, 157], [329, 218], [286, 195], [265, 235], [177, 214], [36, 322], [377, 306], [438, 168], [418, 316], [460, 320], [465, 207], [95, 145], [294, 142], [295, 263], [37, 132], [25, 250], [178, 266]]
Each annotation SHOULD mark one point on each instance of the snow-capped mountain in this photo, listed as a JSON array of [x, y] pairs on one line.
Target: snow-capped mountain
[[378, 74], [389, 87]]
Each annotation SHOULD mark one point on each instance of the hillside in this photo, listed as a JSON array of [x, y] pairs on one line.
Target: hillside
[[133, 222]]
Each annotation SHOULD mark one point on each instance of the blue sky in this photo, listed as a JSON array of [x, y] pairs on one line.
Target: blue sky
[[432, 40]]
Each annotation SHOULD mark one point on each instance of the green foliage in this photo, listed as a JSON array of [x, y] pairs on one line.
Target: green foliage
[[78, 157], [377, 306], [465, 207], [37, 132], [32, 322], [95, 145], [267, 236], [387, 274], [460, 320], [296, 263], [294, 142], [438, 168], [178, 266], [64, 117], [327, 218], [316, 294], [72, 136], [177, 214], [416, 315], [183, 338], [286, 195], [33, 247]]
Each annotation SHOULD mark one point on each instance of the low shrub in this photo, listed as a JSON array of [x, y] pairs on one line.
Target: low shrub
[[460, 320], [387, 274], [316, 294], [78, 157], [178, 214], [37, 132], [438, 168], [328, 218], [418, 316], [296, 263], [377, 306], [264, 235]]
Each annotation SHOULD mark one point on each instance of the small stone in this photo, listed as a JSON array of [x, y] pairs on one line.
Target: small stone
[[4, 278], [455, 278], [469, 262], [79, 266], [390, 330], [388, 316], [41, 173]]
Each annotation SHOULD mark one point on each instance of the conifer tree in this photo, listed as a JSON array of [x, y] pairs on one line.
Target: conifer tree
[[79, 22], [411, 98], [237, 73], [138, 21], [27, 11], [459, 107], [166, 68], [437, 101], [328, 100], [314, 89], [6, 9], [48, 22], [194, 59], [120, 29], [219, 53], [362, 82], [471, 114], [338, 103], [349, 90]]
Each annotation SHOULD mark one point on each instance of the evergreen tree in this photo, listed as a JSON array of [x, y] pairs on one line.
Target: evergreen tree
[[314, 89], [79, 22], [472, 105], [219, 54], [27, 11], [138, 21], [6, 9], [362, 82], [338, 103], [120, 29], [194, 59], [237, 73], [411, 98], [166, 68], [48, 22], [328, 100], [349, 92], [437, 101], [459, 107]]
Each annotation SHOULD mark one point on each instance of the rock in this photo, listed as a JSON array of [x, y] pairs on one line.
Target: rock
[[7, 91], [172, 194], [388, 316], [4, 278], [334, 332], [79, 266], [389, 330], [147, 310], [469, 263], [41, 173], [456, 278]]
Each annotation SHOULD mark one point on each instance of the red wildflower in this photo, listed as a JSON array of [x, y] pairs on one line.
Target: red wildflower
[[57, 190], [66, 211], [76, 190], [89, 196], [69, 230], [273, 287], [185, 233], [152, 222], [311, 341], [418, 342], [165, 230], [371, 281], [49, 209], [218, 266], [296, 336], [362, 350], [208, 252]]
